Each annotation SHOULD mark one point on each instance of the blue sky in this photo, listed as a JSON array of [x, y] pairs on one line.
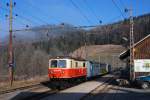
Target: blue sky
[[41, 12]]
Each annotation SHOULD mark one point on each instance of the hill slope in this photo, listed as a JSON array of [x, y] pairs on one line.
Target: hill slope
[[101, 53]]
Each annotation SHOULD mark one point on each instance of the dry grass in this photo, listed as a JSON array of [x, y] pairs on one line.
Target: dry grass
[[93, 50], [23, 83], [102, 53]]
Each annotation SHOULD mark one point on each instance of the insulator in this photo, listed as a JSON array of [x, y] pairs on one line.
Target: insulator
[[100, 21], [125, 10], [6, 15], [14, 3], [7, 4], [27, 26]]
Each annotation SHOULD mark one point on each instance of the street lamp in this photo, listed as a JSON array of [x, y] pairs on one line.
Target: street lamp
[[125, 38]]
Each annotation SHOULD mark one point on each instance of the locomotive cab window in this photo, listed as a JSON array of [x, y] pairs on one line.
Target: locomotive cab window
[[53, 63], [62, 63]]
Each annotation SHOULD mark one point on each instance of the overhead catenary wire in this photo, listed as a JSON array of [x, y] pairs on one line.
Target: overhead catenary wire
[[120, 11], [14, 18], [112, 20], [92, 11], [31, 21], [38, 19], [57, 28], [122, 3], [80, 11], [41, 11], [35, 17], [35, 23], [76, 27], [27, 19], [20, 16]]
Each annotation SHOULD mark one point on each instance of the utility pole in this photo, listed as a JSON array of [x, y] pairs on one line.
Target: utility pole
[[131, 43], [10, 49]]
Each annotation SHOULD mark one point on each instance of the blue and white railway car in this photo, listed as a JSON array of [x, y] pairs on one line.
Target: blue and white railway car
[[95, 69], [105, 68]]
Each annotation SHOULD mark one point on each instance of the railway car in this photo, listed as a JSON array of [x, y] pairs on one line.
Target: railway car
[[93, 69], [66, 68], [62, 68], [105, 68], [96, 69]]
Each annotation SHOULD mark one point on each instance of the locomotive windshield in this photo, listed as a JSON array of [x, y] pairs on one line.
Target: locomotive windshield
[[53, 63], [58, 63], [62, 63]]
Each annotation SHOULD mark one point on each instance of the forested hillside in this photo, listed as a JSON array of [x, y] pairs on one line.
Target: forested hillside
[[72, 38]]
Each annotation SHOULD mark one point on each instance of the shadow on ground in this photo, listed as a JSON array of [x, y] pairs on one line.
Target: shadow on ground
[[121, 94]]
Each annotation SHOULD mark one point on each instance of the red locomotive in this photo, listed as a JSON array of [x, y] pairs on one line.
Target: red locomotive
[[66, 68]]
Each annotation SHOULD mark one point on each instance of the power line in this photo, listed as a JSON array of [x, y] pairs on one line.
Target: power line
[[90, 8], [27, 19], [20, 16], [112, 19], [78, 27], [118, 8], [37, 18], [91, 26], [76, 6], [122, 3], [35, 7]]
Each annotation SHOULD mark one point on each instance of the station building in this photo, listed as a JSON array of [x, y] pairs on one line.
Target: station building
[[141, 63]]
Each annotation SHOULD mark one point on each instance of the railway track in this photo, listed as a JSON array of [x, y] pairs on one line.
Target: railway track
[[35, 91], [39, 94], [48, 93], [29, 92], [19, 88], [101, 88]]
